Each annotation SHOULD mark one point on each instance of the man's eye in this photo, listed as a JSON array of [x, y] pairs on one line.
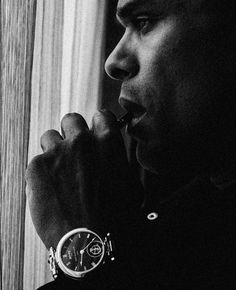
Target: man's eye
[[143, 24]]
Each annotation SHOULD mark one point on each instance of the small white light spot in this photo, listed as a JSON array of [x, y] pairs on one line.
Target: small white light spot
[[113, 259], [152, 216]]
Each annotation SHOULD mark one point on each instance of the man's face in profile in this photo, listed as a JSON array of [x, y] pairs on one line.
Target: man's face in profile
[[172, 61]]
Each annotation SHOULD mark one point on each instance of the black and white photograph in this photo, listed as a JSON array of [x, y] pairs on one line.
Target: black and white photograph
[[118, 145]]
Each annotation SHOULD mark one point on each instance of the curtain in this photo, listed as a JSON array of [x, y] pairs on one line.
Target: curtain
[[66, 77], [17, 28]]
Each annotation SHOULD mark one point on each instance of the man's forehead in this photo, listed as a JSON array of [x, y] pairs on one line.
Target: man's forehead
[[134, 3], [126, 6], [122, 3]]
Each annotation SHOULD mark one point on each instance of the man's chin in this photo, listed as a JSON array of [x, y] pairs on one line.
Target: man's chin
[[147, 157], [158, 160], [168, 162]]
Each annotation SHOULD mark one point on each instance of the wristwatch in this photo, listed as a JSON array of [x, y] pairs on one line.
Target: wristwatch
[[79, 252]]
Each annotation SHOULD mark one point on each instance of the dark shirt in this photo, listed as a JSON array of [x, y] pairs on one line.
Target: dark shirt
[[192, 244]]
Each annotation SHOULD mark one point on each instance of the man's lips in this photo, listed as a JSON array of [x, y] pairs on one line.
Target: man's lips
[[136, 119], [137, 111], [134, 109]]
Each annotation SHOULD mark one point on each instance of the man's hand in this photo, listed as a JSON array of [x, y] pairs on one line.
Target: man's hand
[[82, 179]]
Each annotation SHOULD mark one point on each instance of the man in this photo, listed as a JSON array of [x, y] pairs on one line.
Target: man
[[176, 62]]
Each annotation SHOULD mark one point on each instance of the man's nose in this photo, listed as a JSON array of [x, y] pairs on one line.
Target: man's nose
[[122, 63]]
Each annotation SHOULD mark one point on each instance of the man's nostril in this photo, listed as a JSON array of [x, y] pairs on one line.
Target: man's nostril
[[120, 74]]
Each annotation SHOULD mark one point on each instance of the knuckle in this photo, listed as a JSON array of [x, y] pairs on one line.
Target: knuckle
[[38, 165], [72, 123], [107, 113], [107, 135], [72, 117], [105, 116], [104, 125], [50, 140], [49, 134], [33, 168], [96, 116], [81, 139], [81, 135]]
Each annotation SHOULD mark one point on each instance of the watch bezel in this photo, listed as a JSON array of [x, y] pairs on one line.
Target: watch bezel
[[67, 271]]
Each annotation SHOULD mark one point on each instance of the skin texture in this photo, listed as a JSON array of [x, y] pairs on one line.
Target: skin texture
[[173, 60], [176, 64]]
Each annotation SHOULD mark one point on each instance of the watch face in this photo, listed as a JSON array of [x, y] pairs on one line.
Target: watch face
[[82, 251]]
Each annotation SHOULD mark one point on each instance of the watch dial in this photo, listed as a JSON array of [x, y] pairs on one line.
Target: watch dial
[[82, 251]]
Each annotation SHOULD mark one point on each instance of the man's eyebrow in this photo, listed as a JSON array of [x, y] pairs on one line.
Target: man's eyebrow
[[127, 9]]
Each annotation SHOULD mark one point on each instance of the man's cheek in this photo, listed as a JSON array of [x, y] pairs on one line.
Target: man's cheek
[[162, 33]]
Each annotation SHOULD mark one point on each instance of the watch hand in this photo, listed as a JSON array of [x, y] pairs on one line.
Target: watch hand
[[87, 245], [75, 254], [81, 261], [82, 251]]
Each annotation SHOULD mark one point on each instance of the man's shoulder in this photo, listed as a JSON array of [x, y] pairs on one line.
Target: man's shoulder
[[204, 230]]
